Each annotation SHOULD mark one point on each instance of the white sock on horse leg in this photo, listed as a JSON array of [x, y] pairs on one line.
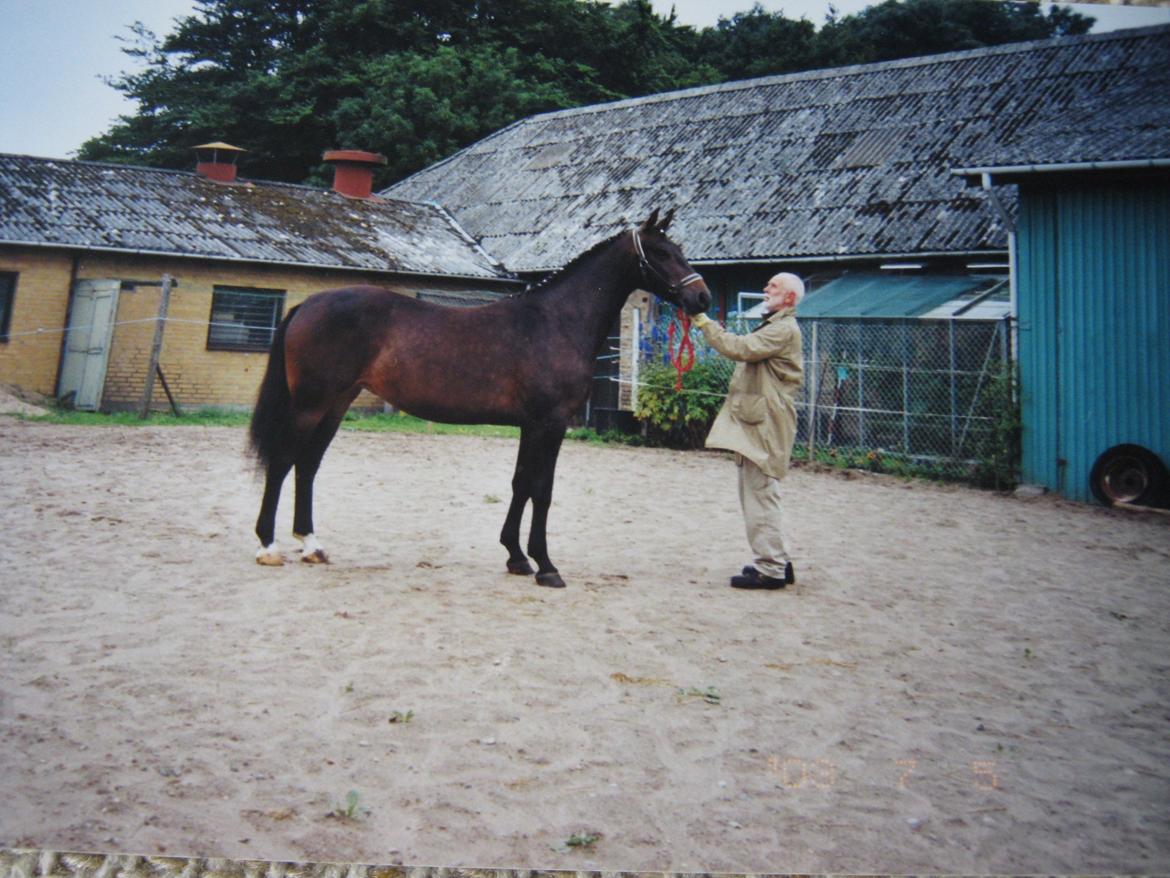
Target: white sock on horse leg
[[311, 548], [269, 555]]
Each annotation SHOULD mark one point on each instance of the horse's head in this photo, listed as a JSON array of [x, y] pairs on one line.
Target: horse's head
[[665, 271]]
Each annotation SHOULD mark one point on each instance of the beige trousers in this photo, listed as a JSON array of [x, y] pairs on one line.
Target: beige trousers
[[759, 497]]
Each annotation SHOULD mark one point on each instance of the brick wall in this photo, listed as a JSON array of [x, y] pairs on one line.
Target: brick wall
[[29, 358], [197, 376]]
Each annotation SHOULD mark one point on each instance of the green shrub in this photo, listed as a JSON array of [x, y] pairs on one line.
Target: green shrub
[[998, 457], [680, 419]]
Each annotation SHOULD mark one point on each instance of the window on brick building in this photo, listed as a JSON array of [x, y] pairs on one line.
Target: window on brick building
[[243, 318], [7, 294]]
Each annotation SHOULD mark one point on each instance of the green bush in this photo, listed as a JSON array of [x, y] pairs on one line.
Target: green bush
[[998, 457], [680, 419]]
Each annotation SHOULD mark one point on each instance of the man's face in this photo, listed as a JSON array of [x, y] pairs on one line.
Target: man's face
[[776, 296]]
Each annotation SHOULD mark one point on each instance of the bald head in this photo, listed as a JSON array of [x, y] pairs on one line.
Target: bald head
[[790, 283], [784, 290]]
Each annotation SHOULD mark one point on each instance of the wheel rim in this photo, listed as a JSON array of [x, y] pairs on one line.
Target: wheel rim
[[1124, 479]]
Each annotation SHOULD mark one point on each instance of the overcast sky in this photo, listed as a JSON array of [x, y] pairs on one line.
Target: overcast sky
[[54, 53]]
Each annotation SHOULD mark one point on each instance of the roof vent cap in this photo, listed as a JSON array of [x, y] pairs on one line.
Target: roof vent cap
[[217, 161]]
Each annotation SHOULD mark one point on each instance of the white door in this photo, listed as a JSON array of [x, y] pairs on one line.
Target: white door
[[87, 342]]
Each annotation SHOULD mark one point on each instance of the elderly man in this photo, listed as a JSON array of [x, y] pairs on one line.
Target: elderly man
[[758, 423]]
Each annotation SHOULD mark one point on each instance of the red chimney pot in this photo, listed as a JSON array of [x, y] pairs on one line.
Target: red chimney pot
[[353, 173]]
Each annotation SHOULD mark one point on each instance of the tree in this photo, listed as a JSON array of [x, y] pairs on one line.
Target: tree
[[414, 79], [418, 107], [759, 43], [906, 28], [419, 79]]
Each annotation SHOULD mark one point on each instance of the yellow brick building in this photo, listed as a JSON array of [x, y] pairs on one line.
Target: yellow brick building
[[239, 256]]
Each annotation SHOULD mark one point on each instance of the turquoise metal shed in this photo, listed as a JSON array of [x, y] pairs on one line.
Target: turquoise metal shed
[[1092, 266]]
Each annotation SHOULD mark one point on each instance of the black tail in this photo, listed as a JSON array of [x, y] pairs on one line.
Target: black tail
[[270, 416]]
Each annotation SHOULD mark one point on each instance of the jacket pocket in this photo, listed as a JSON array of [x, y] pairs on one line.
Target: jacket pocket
[[750, 408]]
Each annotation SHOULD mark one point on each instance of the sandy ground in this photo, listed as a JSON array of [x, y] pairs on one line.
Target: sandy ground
[[959, 682]]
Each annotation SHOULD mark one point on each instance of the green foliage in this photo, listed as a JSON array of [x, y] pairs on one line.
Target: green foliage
[[351, 810], [906, 28], [759, 43], [998, 455], [680, 419], [396, 422], [582, 840], [608, 437], [708, 695], [878, 461], [206, 417], [419, 79], [400, 422]]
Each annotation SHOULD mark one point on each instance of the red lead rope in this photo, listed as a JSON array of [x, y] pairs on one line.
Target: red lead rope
[[684, 359]]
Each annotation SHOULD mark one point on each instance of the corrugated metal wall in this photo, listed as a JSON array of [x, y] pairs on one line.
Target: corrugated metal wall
[[1094, 327]]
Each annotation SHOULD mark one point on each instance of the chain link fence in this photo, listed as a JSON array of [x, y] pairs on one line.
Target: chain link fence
[[918, 395]]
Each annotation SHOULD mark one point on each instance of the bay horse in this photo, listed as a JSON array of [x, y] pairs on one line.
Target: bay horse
[[526, 361]]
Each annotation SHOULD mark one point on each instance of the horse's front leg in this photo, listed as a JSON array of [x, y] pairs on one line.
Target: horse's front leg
[[546, 447], [521, 491]]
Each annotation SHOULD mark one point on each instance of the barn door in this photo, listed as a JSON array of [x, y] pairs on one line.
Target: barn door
[[87, 342]]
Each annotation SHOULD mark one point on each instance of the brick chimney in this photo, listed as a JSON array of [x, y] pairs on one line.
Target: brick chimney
[[217, 161], [353, 171]]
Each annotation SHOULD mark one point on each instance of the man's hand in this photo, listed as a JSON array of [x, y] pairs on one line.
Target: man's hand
[[700, 320]]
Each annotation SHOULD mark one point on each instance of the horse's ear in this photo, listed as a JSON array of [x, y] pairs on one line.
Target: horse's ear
[[650, 223], [665, 224]]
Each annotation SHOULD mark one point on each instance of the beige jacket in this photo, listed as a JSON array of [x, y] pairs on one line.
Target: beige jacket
[[758, 419]]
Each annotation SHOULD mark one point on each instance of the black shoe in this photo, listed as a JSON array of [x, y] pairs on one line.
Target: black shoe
[[789, 575], [756, 579]]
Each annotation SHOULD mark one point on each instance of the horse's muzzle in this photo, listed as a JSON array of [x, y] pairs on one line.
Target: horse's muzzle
[[696, 299]]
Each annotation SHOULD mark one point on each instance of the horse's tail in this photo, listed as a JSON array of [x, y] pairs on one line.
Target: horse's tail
[[270, 416]]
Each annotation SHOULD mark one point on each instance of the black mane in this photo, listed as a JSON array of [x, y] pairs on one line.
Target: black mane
[[548, 280]]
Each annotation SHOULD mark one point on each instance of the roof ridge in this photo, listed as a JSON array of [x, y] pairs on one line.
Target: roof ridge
[[833, 72], [180, 172], [458, 153], [254, 182], [285, 223], [91, 163]]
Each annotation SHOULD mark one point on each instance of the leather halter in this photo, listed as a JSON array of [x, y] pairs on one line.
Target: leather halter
[[649, 271]]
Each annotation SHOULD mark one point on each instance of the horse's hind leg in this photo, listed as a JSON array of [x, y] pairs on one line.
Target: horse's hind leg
[[269, 552], [308, 461]]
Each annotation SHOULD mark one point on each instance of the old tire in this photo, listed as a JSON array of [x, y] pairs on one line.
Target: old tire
[[1129, 474]]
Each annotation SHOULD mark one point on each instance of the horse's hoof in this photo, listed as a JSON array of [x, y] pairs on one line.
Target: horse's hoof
[[317, 556], [520, 568], [550, 580], [270, 557]]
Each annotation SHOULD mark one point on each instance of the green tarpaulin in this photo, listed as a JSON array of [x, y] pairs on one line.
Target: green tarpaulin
[[868, 295]]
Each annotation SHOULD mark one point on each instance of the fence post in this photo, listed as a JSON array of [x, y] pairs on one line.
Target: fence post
[[636, 356], [811, 407], [905, 389], [954, 392], [164, 302], [861, 440]]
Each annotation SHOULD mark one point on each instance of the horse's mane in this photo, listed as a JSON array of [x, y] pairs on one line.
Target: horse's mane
[[547, 281]]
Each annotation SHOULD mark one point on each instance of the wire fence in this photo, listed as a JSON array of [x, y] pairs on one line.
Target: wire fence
[[925, 392], [933, 394]]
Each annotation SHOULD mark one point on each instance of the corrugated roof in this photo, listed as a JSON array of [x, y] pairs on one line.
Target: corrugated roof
[[89, 205], [828, 163], [887, 296]]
